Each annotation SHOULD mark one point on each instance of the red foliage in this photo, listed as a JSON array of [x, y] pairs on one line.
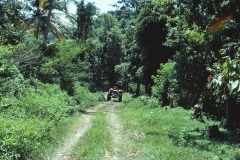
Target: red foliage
[[209, 79]]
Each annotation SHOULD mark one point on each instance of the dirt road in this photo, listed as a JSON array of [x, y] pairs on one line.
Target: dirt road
[[116, 131], [64, 150]]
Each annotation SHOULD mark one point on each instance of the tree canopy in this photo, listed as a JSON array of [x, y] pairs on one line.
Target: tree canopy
[[175, 52]]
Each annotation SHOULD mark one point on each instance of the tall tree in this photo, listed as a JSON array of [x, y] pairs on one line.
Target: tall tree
[[132, 55], [206, 35], [126, 13], [40, 12], [151, 33], [48, 20], [84, 20], [105, 51], [187, 38]]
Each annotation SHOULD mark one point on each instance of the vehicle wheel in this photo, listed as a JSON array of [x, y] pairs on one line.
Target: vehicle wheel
[[108, 97], [120, 98]]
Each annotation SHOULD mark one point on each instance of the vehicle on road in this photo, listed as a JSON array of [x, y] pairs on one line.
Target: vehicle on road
[[114, 93]]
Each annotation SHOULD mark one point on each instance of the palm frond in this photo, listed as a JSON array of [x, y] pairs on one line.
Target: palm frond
[[42, 2], [28, 7], [37, 15], [58, 13], [56, 31]]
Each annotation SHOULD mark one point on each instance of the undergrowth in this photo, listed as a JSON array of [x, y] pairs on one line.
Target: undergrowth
[[27, 121], [165, 133], [31, 110]]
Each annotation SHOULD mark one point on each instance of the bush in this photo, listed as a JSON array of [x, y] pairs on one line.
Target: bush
[[153, 103], [85, 98], [27, 121], [27, 58], [22, 138], [31, 109], [164, 83]]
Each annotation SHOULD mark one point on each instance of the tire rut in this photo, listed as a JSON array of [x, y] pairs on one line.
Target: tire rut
[[64, 151], [115, 130]]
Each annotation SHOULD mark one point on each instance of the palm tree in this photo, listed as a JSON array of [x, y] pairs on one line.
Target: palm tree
[[44, 16], [48, 20]]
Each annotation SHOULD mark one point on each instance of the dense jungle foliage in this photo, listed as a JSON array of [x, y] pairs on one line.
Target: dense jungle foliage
[[53, 63]]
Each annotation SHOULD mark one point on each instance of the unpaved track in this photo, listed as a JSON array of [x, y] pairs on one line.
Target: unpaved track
[[65, 149], [115, 130]]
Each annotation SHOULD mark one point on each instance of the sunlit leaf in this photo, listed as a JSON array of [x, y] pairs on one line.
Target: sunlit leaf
[[219, 83], [234, 64], [235, 84], [220, 77], [224, 64]]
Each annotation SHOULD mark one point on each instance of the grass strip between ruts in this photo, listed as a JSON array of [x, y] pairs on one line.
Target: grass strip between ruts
[[97, 140]]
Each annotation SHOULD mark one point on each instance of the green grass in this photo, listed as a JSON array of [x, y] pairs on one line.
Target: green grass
[[97, 140], [164, 133], [155, 133], [60, 132]]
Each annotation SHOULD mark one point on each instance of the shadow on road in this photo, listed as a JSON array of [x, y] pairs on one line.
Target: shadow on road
[[87, 113]]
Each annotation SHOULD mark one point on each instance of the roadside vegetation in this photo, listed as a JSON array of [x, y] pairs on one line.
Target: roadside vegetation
[[31, 109], [177, 53], [148, 132], [171, 133]]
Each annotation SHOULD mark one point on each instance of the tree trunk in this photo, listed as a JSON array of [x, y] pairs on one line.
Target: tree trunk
[[138, 88], [229, 117], [80, 30], [148, 89], [48, 21], [232, 114], [36, 33], [164, 93]]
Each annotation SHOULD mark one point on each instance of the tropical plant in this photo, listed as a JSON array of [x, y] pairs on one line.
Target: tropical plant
[[11, 30], [122, 75], [63, 64], [104, 53], [225, 82], [43, 16]]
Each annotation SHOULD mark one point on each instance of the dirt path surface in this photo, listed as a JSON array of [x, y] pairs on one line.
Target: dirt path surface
[[64, 150], [115, 130]]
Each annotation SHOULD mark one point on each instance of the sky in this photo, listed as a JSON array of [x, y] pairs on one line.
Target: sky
[[102, 4]]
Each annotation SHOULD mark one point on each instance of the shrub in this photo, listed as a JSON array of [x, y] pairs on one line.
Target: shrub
[[153, 103], [31, 109], [164, 83]]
